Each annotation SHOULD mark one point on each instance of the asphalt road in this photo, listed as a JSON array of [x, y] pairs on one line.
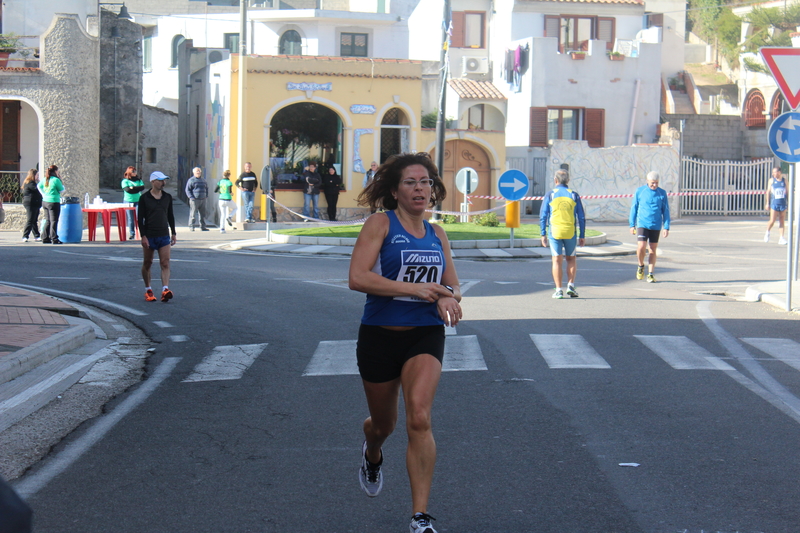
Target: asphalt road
[[536, 441]]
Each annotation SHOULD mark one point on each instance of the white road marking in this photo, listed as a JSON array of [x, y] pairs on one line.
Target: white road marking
[[682, 354], [162, 324], [226, 363], [338, 358], [56, 277], [34, 482], [568, 351], [785, 350], [762, 384], [450, 330], [178, 338], [119, 327], [135, 312], [506, 282]]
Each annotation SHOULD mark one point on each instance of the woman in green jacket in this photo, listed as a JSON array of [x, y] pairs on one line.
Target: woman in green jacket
[[51, 189]]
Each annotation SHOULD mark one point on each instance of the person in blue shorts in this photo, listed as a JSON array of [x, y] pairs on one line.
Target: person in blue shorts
[[403, 264], [649, 212], [776, 202], [156, 223], [560, 219]]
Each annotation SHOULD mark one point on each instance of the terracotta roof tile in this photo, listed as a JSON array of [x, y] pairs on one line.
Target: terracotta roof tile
[[476, 90]]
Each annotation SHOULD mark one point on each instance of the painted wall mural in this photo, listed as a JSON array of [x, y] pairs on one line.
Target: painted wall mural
[[611, 171], [357, 133]]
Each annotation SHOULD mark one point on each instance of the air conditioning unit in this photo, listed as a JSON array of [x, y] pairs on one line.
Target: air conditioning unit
[[215, 55], [475, 65]]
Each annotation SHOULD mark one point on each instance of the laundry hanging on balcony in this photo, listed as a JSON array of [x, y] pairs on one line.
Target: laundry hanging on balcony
[[516, 64]]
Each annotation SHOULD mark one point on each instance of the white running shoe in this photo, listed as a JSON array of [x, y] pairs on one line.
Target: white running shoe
[[766, 237], [369, 475], [24, 239], [421, 523], [783, 241], [571, 292], [559, 294]]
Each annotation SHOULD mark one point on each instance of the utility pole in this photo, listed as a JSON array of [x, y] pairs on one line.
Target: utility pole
[[444, 69], [241, 115]]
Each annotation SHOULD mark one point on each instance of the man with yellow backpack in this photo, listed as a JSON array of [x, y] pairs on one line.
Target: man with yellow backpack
[[561, 212]]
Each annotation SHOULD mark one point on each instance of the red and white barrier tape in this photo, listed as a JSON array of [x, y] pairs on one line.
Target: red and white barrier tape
[[604, 196]]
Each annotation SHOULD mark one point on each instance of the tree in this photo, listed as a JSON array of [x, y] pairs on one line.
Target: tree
[[772, 26]]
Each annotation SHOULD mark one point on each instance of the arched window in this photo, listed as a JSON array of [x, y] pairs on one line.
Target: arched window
[[778, 105], [754, 108], [291, 44], [176, 44]]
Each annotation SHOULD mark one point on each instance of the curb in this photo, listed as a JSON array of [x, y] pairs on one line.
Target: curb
[[45, 350]]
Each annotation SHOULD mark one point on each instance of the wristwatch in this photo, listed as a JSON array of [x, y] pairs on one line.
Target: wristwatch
[[449, 288]]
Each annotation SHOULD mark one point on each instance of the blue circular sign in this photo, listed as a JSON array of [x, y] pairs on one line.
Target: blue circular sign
[[513, 185], [784, 137]]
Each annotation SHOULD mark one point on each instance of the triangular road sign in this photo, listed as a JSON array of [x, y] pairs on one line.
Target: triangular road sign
[[784, 64]]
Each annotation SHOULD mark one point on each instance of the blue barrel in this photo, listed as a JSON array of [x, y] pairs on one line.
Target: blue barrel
[[70, 223]]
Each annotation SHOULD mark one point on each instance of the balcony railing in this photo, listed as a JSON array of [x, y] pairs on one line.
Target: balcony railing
[[26, 55]]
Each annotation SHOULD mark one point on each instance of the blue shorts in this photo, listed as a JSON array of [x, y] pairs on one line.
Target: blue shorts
[[563, 246], [778, 205], [159, 242]]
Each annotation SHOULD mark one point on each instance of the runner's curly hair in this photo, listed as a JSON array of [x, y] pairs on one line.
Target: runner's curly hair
[[379, 193]]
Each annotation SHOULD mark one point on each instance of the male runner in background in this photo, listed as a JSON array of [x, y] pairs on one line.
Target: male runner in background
[[156, 224], [649, 211]]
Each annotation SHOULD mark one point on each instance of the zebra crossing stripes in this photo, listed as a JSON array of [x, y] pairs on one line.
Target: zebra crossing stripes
[[785, 350], [338, 358], [226, 363], [681, 353], [568, 351]]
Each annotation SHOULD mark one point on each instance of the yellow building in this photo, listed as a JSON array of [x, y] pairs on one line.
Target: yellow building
[[363, 109]]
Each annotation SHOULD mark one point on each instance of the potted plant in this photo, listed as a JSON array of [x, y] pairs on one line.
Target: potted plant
[[673, 84], [9, 44], [616, 56], [578, 55]]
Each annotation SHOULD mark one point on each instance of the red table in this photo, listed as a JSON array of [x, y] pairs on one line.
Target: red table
[[105, 213]]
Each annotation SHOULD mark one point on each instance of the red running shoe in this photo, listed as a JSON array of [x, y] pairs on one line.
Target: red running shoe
[[149, 296], [166, 295]]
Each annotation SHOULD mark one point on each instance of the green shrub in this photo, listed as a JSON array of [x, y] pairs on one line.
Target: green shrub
[[487, 219], [449, 219]]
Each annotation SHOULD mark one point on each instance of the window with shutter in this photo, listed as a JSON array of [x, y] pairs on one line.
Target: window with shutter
[[552, 25], [538, 127], [605, 31], [469, 29], [594, 126]]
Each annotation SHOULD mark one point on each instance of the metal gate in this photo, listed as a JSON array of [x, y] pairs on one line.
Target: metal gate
[[700, 176]]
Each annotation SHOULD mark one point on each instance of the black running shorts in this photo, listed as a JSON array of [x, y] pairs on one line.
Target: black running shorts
[[644, 234], [382, 352]]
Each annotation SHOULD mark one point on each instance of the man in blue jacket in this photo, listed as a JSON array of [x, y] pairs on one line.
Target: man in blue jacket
[[560, 219], [197, 192], [649, 211]]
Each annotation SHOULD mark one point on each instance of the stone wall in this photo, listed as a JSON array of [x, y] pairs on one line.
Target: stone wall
[[120, 97], [711, 137], [161, 135], [64, 91]]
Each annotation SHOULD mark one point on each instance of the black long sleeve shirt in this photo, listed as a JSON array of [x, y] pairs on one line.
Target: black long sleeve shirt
[[156, 218]]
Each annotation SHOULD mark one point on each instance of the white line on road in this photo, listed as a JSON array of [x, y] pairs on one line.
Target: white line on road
[[568, 351], [162, 324], [178, 338], [56, 277], [31, 484], [764, 385], [785, 350], [338, 358], [682, 354], [226, 363], [135, 312]]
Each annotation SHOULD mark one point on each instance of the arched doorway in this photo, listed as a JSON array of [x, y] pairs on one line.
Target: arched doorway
[[394, 133], [301, 133], [754, 107], [458, 154]]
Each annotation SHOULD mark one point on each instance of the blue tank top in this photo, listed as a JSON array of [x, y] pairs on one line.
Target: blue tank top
[[404, 257], [779, 192]]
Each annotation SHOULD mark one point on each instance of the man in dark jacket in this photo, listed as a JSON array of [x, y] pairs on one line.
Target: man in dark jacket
[[197, 192], [311, 189], [247, 184]]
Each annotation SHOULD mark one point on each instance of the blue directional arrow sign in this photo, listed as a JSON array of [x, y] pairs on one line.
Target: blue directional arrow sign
[[784, 137], [513, 185]]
